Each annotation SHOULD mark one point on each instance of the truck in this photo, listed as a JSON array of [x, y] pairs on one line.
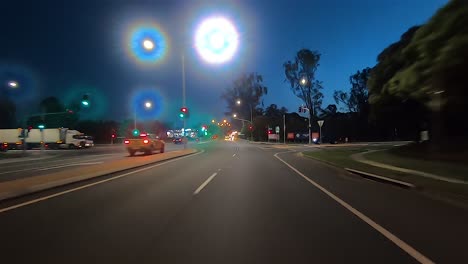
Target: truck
[[10, 138], [52, 138], [146, 143]]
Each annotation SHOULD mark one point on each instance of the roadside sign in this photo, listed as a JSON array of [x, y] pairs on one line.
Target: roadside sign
[[320, 123], [290, 135], [277, 129]]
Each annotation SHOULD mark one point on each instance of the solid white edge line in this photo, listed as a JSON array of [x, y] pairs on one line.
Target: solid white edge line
[[198, 190], [400, 243], [94, 183]]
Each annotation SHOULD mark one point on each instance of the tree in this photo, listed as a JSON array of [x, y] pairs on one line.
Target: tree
[[7, 112], [52, 113], [358, 98], [300, 73], [272, 111], [330, 110], [51, 105], [248, 89], [431, 72], [244, 97]]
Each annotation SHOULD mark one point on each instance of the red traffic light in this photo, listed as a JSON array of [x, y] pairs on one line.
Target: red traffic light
[[184, 109], [29, 128], [113, 135]]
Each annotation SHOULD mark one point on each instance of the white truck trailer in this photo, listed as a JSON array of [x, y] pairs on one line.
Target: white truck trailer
[[52, 138]]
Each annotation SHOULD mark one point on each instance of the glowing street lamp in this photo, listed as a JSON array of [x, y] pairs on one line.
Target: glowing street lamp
[[216, 40], [148, 105], [303, 81], [13, 84], [148, 44], [238, 102], [234, 115]]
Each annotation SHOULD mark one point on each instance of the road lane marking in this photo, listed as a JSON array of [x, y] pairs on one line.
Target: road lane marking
[[70, 165], [204, 184], [51, 160], [94, 183], [400, 243], [234, 154]]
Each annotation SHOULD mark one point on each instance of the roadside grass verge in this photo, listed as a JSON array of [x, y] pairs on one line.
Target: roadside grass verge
[[340, 157]]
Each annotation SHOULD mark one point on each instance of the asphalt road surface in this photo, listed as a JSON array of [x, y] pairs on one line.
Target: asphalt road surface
[[39, 163], [234, 203]]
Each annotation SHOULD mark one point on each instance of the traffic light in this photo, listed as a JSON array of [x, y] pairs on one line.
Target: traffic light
[[204, 128], [85, 100], [135, 132], [184, 112], [250, 128], [113, 135], [41, 127]]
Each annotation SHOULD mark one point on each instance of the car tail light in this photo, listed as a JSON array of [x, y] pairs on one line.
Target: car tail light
[[146, 141], [126, 141]]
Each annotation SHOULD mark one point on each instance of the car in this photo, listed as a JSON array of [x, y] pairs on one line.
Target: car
[[178, 140], [146, 143]]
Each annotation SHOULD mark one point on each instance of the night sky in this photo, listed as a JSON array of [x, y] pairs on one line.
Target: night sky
[[65, 48]]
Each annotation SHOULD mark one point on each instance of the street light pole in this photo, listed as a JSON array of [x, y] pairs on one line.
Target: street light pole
[[183, 91], [251, 122], [134, 119]]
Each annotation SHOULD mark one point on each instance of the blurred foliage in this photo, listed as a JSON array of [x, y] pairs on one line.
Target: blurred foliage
[[423, 76], [7, 113], [249, 89]]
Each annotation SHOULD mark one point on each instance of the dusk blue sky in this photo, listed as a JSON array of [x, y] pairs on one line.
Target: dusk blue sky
[[62, 48]]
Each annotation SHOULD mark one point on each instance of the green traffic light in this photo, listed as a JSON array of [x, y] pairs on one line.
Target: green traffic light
[[41, 126], [181, 115], [136, 132], [85, 103]]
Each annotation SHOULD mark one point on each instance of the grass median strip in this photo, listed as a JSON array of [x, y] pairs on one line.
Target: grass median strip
[[341, 157]]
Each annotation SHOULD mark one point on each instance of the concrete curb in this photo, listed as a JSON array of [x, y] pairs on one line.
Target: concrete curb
[[381, 178], [61, 182]]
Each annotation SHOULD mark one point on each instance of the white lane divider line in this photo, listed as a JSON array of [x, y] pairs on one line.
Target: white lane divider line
[[400, 243], [198, 190], [71, 165], [2, 210], [234, 154]]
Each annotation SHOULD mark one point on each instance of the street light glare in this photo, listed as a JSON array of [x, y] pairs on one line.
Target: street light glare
[[13, 84], [148, 104], [303, 81], [238, 102], [148, 44], [216, 40], [234, 115]]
